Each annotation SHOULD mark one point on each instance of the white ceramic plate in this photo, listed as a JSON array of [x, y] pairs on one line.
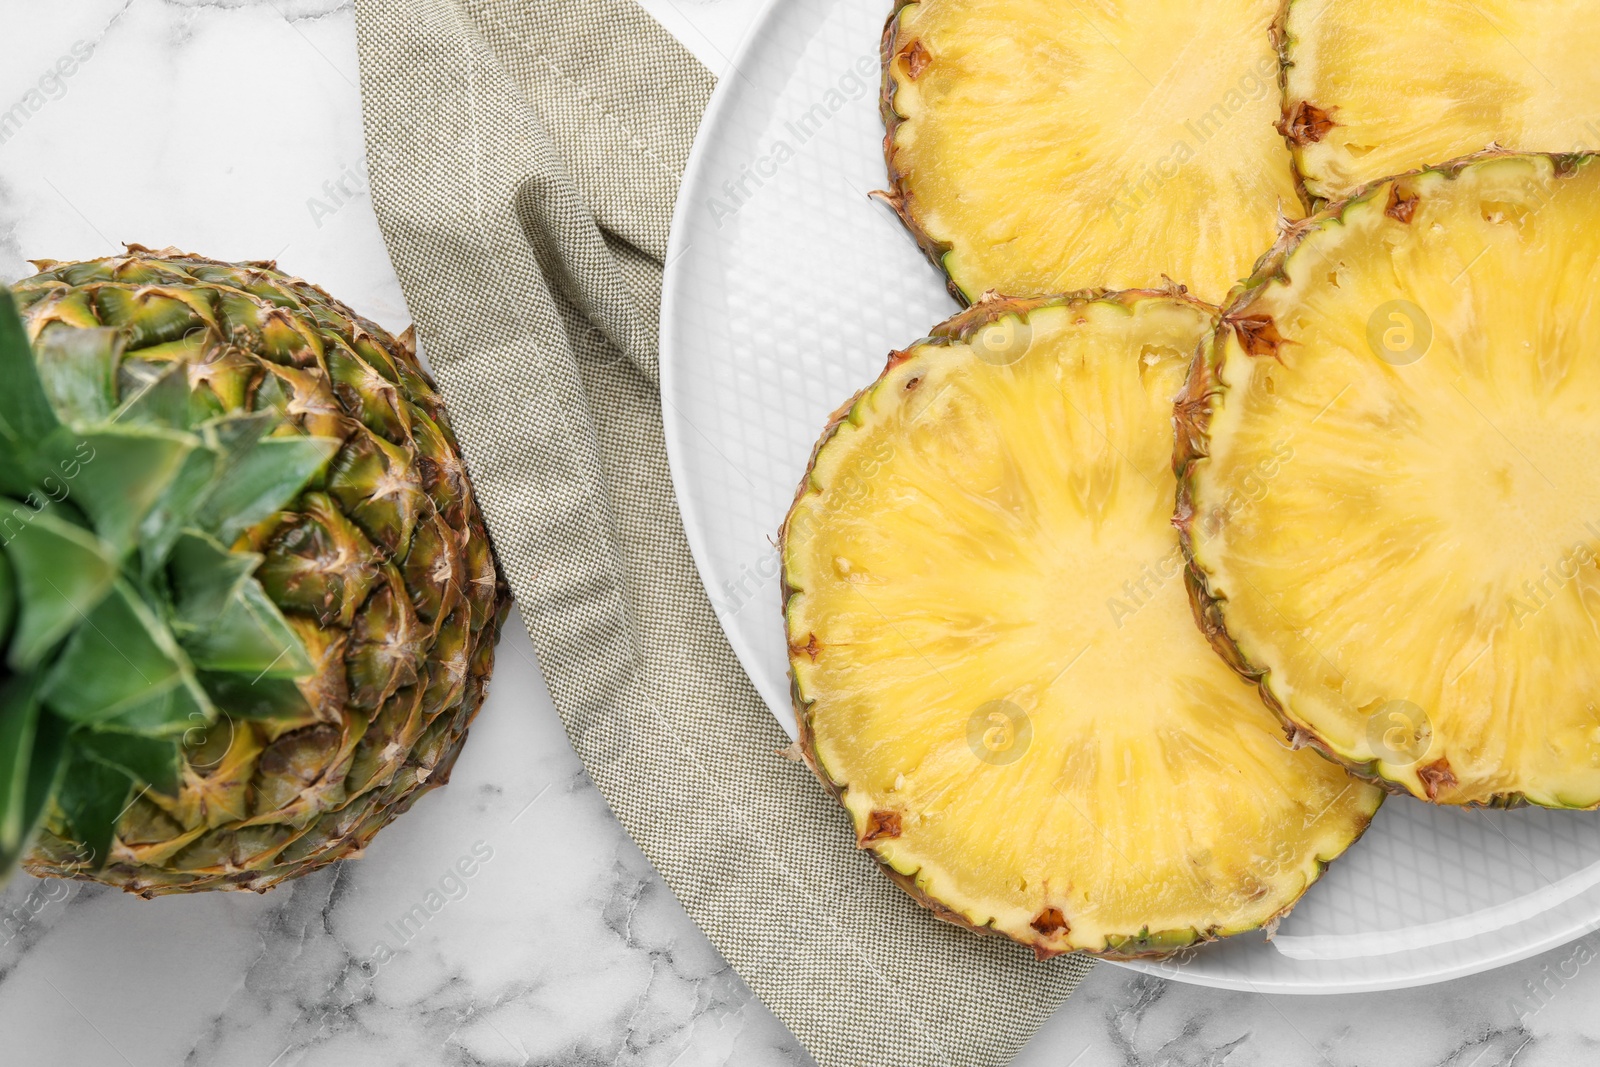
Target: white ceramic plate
[[786, 287]]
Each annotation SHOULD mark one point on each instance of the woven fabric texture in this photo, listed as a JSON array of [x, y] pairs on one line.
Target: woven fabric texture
[[524, 159]]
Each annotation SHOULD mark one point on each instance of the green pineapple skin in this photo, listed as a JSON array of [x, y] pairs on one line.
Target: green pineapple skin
[[380, 565]]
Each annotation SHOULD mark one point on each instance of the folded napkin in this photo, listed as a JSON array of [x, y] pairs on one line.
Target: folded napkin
[[524, 159]]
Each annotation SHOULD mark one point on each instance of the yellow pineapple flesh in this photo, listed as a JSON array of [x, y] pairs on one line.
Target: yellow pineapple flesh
[[995, 662], [1037, 148], [1416, 584], [1380, 87]]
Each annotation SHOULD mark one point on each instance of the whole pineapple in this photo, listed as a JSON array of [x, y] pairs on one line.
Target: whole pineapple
[[247, 601]]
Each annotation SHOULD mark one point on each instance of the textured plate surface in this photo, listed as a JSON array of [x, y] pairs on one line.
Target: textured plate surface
[[786, 287]]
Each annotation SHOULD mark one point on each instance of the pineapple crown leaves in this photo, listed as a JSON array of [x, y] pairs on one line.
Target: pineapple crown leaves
[[128, 622]]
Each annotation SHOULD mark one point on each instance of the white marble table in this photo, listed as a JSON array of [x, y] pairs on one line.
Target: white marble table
[[232, 128]]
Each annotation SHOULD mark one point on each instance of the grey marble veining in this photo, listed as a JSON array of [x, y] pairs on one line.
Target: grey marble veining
[[232, 128]]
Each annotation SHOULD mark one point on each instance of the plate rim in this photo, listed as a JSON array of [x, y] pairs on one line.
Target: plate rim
[[672, 273], [1566, 934]]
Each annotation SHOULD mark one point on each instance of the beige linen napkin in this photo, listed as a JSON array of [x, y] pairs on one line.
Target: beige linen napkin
[[524, 159]]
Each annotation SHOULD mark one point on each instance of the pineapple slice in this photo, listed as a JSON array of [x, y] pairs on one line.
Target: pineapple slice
[[1389, 491], [1378, 87], [1036, 148], [996, 667]]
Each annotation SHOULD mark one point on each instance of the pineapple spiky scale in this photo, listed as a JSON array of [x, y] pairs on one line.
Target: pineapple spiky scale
[[995, 664], [1415, 592], [1035, 150], [1375, 88], [328, 490]]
